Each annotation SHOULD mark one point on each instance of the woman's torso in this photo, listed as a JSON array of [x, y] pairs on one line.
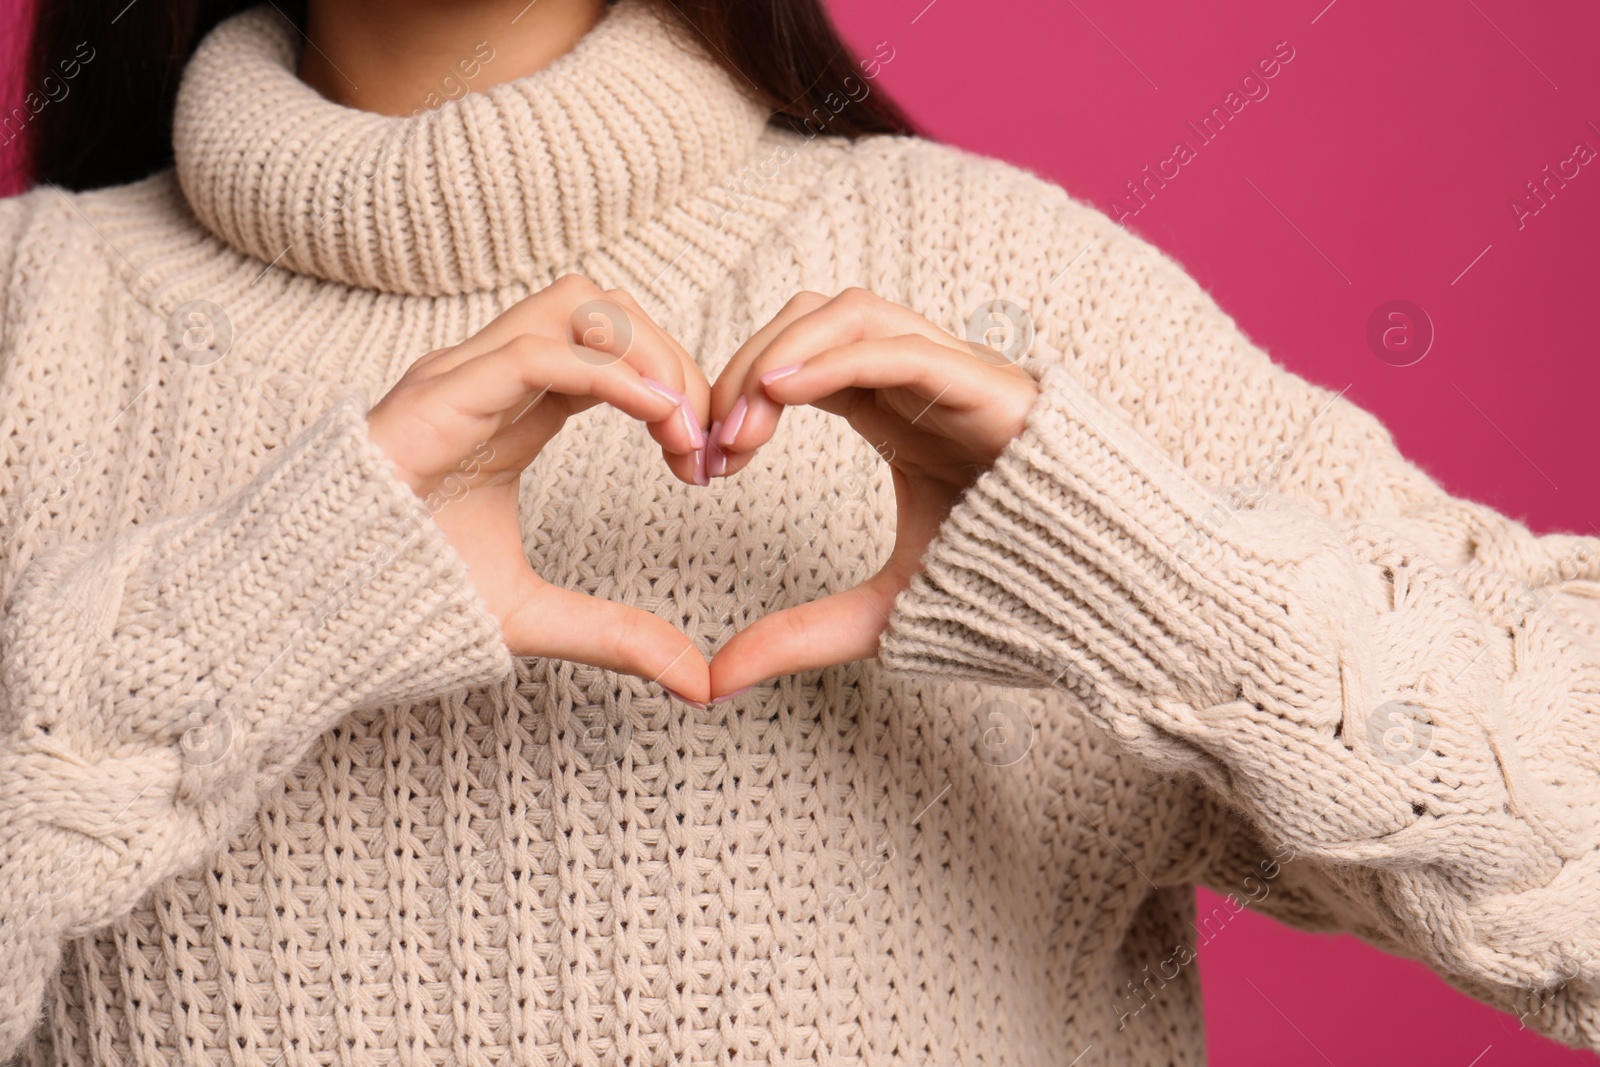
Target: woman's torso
[[573, 868]]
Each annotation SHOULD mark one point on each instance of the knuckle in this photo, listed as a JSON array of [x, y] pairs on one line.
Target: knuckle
[[573, 285], [419, 368], [523, 346], [427, 365], [806, 300], [858, 304]]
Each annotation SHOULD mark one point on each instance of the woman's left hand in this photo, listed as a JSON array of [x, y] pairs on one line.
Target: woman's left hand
[[939, 409]]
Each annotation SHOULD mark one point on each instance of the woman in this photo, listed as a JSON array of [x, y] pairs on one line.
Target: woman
[[347, 598]]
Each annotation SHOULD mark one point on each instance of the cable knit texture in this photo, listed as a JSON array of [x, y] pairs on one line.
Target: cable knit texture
[[273, 790]]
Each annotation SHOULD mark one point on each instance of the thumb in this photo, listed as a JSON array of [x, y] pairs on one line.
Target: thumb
[[561, 624], [840, 628]]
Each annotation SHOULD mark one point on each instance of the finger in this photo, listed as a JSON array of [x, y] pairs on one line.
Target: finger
[[563, 624], [864, 418], [934, 372], [683, 440], [614, 327], [519, 395], [855, 314], [683, 465], [732, 385], [692, 379], [548, 312], [599, 327], [668, 363], [929, 387], [730, 382], [506, 383], [840, 380], [807, 328], [836, 629]]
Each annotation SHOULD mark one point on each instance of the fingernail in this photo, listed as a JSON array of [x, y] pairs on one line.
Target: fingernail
[[781, 372], [697, 436], [692, 703], [730, 428], [716, 458], [700, 477], [665, 390], [730, 696]]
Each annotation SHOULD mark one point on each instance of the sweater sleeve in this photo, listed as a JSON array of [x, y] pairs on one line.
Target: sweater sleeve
[[154, 685], [1411, 707]]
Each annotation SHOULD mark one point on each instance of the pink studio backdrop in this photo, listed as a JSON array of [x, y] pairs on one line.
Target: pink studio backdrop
[[1381, 164], [14, 33]]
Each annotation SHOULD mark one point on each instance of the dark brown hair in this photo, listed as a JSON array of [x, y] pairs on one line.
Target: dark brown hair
[[114, 125]]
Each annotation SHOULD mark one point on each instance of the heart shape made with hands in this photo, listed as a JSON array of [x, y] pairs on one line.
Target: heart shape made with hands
[[940, 409]]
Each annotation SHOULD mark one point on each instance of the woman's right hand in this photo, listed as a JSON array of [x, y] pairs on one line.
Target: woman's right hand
[[463, 422]]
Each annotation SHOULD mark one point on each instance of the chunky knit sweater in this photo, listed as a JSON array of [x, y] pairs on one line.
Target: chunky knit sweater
[[274, 791]]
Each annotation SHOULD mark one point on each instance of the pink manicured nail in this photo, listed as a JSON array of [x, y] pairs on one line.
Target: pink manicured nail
[[697, 436], [781, 372], [679, 696], [665, 390], [700, 477], [730, 696], [730, 428], [716, 458]]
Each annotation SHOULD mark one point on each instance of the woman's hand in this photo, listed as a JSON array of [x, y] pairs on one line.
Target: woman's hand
[[938, 408], [463, 422]]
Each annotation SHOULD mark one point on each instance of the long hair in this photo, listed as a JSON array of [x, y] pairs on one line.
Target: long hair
[[114, 125]]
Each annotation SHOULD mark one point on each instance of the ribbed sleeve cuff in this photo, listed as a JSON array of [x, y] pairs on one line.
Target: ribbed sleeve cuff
[[1088, 559], [239, 633]]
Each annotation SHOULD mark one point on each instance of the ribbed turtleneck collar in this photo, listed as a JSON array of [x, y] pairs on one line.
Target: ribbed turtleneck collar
[[506, 185]]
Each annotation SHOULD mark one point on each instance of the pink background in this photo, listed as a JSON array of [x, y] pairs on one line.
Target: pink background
[[1379, 166], [14, 31]]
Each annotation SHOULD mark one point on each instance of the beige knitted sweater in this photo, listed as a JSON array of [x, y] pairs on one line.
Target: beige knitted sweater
[[274, 791]]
